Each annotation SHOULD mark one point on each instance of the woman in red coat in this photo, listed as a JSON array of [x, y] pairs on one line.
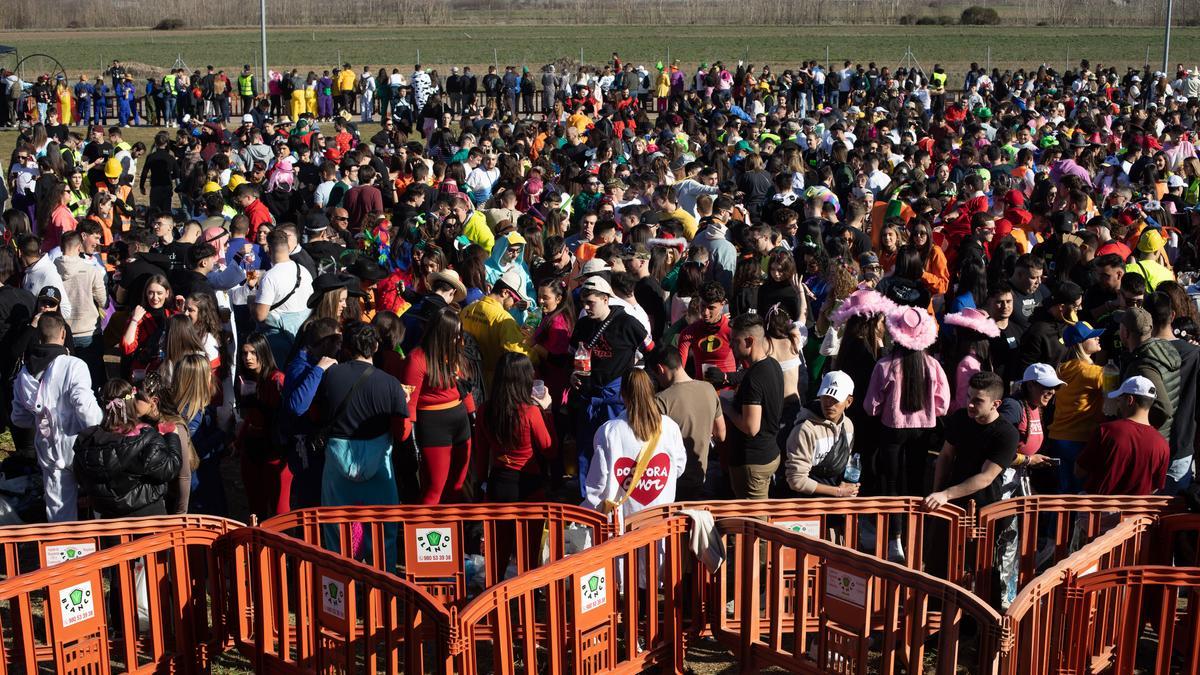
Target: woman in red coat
[[259, 395], [141, 344]]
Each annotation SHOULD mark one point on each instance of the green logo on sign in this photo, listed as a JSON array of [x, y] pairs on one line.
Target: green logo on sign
[[71, 553], [333, 591], [433, 541], [76, 597]]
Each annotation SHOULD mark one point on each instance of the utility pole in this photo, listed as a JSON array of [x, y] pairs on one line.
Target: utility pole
[[1167, 39], [262, 10]]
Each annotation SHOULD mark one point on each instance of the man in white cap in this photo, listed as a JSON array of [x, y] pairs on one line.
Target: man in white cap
[[609, 340], [820, 445], [1126, 456], [492, 325]]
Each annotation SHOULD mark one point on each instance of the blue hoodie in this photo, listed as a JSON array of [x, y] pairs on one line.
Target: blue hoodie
[[495, 269]]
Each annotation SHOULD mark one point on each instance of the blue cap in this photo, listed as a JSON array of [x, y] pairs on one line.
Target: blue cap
[[1080, 331]]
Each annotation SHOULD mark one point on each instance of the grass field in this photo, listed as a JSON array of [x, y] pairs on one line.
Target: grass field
[[954, 46]]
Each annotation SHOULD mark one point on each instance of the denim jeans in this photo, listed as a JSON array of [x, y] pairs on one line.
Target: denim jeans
[[1179, 476]]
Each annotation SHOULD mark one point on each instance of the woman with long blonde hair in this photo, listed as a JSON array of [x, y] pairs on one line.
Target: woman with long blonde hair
[[639, 456], [192, 393]]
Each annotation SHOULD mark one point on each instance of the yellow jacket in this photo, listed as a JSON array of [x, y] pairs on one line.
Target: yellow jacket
[[494, 329], [1078, 405], [346, 80], [477, 231]]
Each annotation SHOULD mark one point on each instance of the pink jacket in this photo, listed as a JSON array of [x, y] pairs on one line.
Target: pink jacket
[[968, 366], [883, 395]]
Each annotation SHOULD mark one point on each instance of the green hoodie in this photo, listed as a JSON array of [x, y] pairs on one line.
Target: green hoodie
[[1158, 361]]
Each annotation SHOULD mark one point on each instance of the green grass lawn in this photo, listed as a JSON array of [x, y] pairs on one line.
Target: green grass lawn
[[956, 46]]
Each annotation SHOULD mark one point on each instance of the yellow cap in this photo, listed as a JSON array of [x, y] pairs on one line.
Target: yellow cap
[[113, 168], [211, 187]]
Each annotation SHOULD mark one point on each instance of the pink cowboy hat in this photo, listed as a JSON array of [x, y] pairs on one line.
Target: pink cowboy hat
[[974, 319], [863, 302], [912, 327]]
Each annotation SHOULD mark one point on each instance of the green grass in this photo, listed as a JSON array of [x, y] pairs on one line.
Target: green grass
[[956, 46]]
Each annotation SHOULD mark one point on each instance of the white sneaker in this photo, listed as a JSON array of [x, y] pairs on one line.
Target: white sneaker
[[895, 551]]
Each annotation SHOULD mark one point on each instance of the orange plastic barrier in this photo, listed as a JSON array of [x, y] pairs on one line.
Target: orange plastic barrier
[[861, 603], [614, 608], [933, 537], [151, 605], [1036, 638], [427, 545], [1062, 523], [25, 548], [302, 609], [1150, 612]]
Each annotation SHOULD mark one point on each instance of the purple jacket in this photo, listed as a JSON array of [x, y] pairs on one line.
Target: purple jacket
[[887, 383]]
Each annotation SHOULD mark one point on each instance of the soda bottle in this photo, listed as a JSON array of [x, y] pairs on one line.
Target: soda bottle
[[583, 360], [853, 469]]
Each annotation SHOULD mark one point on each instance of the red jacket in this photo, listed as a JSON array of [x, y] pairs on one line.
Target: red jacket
[[258, 214], [534, 433]]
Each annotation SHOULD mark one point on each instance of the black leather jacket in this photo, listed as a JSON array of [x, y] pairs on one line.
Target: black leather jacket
[[124, 474]]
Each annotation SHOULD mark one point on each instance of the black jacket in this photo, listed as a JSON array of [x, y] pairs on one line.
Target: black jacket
[[125, 474], [1042, 342]]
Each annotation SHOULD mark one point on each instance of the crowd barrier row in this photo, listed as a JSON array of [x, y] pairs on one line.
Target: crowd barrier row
[[809, 591]]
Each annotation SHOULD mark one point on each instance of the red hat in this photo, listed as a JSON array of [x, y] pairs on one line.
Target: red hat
[[1015, 198], [1114, 247]]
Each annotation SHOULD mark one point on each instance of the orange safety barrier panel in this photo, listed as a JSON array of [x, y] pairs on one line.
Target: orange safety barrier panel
[[26, 548], [863, 603], [936, 537], [1049, 527], [1036, 637], [302, 609], [427, 545], [104, 615], [1151, 611], [614, 608]]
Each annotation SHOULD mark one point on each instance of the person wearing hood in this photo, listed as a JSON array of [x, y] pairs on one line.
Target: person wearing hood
[[1154, 359], [1043, 342], [53, 395], [820, 445], [123, 464], [507, 256]]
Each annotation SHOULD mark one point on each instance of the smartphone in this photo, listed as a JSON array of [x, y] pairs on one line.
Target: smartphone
[[1054, 461]]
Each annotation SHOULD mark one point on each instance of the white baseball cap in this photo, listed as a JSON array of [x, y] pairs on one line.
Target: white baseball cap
[[1176, 182], [512, 281], [596, 285], [593, 266], [836, 385], [1043, 374], [1136, 386], [247, 119]]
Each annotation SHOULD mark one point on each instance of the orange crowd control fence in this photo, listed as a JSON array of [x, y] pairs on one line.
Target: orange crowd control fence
[[27, 548], [1151, 612], [1048, 529], [428, 545], [613, 608], [933, 539], [860, 603], [1037, 637], [153, 604], [302, 609]]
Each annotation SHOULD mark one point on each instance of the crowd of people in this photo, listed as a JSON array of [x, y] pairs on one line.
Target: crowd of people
[[708, 283]]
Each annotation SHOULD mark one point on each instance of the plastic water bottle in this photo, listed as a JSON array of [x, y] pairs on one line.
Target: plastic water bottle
[[853, 469]]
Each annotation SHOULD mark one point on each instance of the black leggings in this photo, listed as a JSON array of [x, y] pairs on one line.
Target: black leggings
[[507, 485], [902, 464]]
